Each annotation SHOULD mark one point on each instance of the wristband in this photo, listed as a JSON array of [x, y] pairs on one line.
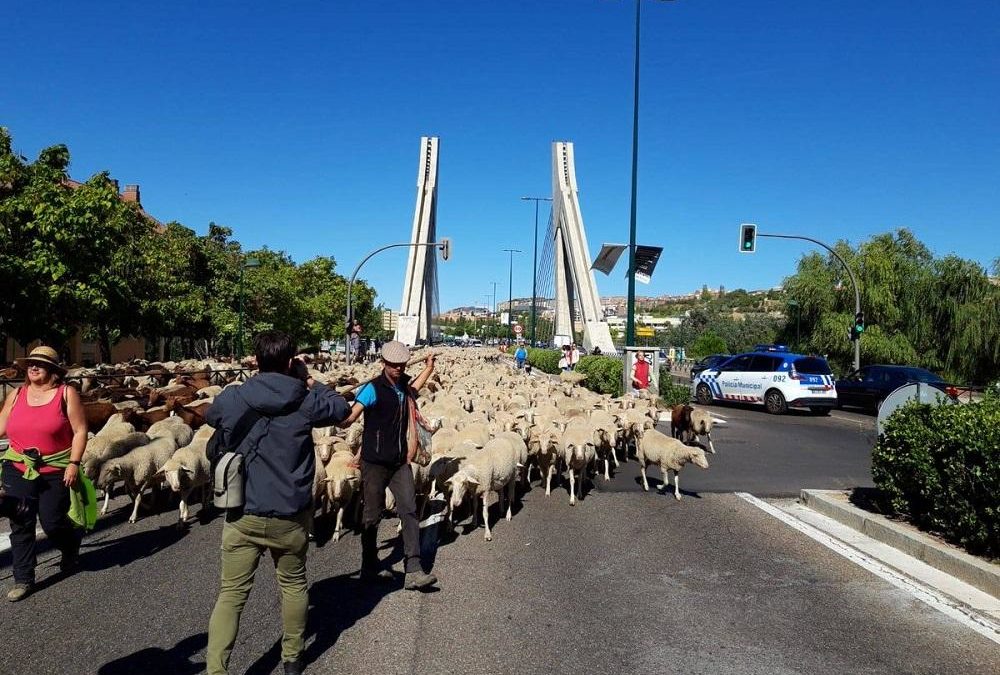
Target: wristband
[[75, 462]]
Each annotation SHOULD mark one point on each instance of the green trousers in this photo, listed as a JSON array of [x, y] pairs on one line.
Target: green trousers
[[244, 540]]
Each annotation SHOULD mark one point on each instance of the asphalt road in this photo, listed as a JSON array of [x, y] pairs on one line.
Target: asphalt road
[[624, 582], [778, 455]]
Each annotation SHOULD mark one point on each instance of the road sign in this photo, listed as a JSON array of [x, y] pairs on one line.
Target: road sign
[[644, 331], [518, 329]]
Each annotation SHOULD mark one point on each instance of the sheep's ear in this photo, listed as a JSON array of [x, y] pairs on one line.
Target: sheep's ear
[[471, 480]]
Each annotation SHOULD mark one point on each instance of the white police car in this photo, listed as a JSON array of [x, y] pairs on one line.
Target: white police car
[[771, 376]]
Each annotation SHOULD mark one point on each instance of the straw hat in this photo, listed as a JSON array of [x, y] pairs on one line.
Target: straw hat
[[395, 352], [45, 356]]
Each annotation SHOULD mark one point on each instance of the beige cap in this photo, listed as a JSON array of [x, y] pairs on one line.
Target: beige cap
[[395, 352]]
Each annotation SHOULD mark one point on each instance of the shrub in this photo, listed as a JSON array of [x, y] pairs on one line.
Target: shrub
[[672, 394], [940, 466], [546, 360], [604, 374]]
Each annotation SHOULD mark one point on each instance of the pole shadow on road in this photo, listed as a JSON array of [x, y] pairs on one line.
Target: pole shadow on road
[[157, 661], [335, 604]]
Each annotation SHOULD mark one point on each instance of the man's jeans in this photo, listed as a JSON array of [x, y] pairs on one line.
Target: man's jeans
[[376, 478], [244, 539]]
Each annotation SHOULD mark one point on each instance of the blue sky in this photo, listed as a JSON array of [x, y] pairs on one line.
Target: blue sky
[[299, 125]]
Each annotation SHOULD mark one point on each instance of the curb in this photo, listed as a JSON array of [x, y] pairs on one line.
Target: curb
[[970, 569]]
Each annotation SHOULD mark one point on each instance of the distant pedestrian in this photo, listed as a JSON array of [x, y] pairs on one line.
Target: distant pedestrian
[[574, 356], [47, 430], [640, 372], [520, 356], [564, 362], [268, 420], [354, 335], [388, 445]]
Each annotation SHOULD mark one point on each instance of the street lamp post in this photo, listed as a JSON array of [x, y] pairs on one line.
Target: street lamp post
[[534, 268], [251, 263], [630, 316], [510, 291]]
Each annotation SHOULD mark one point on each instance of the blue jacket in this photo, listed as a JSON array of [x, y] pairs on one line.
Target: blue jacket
[[278, 450]]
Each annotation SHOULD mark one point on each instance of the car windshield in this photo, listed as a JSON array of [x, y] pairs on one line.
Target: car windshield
[[810, 365]]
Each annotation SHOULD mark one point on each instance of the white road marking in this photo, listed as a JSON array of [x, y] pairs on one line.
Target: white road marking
[[980, 624], [5, 539]]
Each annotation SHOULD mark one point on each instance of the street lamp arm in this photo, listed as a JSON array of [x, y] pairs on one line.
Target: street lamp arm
[[350, 283], [854, 282]]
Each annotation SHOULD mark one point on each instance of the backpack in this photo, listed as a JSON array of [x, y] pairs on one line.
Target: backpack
[[228, 476]]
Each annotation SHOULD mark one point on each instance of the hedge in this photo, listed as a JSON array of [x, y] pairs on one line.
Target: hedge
[[604, 374], [940, 467], [546, 360], [672, 394]]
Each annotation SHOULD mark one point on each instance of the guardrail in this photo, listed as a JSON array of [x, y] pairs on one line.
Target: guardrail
[[219, 377]]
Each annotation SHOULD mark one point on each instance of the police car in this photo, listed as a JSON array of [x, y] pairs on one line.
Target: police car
[[771, 376]]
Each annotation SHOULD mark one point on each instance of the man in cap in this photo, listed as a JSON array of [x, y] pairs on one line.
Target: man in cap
[[388, 445]]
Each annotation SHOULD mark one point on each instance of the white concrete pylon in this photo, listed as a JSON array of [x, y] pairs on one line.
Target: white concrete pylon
[[420, 284], [574, 281]]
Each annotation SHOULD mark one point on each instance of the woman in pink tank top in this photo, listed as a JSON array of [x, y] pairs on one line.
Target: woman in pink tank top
[[41, 419]]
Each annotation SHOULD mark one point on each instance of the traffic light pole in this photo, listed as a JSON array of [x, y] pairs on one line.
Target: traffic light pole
[[854, 283]]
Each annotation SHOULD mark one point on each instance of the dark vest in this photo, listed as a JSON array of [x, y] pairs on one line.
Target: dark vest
[[386, 424]]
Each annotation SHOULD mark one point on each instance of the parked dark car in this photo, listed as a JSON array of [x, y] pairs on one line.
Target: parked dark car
[[711, 361], [868, 387]]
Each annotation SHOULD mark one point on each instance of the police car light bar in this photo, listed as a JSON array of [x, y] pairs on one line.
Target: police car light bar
[[771, 348]]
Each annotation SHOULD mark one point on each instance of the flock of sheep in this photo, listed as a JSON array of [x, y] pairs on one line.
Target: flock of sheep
[[485, 428]]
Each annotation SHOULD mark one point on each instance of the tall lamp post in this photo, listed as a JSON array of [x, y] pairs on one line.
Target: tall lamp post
[[510, 291], [534, 267], [247, 263], [630, 316]]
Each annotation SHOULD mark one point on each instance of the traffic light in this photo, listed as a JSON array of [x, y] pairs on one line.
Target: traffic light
[[859, 326], [748, 238], [445, 248]]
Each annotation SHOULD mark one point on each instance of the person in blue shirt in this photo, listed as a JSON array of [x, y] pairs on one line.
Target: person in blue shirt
[[520, 356], [388, 445]]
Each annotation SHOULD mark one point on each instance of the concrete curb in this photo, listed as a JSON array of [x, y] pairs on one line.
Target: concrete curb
[[970, 569]]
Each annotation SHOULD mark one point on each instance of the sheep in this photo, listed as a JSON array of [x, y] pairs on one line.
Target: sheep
[[605, 438], [173, 427], [680, 421], [701, 425], [547, 454], [578, 452], [490, 469], [670, 454], [189, 468], [102, 448], [138, 468], [342, 479]]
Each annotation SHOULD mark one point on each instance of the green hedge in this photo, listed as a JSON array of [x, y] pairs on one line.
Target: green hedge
[[672, 394], [604, 374], [940, 466], [546, 360]]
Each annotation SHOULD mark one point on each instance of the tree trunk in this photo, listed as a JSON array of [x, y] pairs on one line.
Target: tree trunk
[[104, 343]]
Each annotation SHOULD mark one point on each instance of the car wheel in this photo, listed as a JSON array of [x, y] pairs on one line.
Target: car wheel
[[821, 411], [775, 403], [703, 394]]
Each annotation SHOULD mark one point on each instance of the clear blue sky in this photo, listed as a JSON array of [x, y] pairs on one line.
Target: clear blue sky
[[298, 124]]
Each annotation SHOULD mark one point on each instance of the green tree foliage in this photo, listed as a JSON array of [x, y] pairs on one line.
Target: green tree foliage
[[938, 313], [84, 258], [707, 343]]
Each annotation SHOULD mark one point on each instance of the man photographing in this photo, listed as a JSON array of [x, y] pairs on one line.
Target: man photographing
[[388, 445]]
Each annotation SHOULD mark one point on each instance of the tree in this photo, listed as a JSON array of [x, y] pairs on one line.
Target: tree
[[708, 343]]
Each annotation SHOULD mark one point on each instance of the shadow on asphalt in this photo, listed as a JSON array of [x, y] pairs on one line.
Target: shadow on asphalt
[[335, 604], [130, 548], [157, 661]]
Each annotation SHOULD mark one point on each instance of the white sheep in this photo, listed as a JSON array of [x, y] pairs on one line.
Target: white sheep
[[578, 452], [188, 468], [109, 443], [701, 425], [669, 454], [342, 480], [491, 469], [138, 468]]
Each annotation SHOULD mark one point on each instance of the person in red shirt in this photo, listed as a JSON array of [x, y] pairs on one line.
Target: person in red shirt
[[640, 372], [43, 419]]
